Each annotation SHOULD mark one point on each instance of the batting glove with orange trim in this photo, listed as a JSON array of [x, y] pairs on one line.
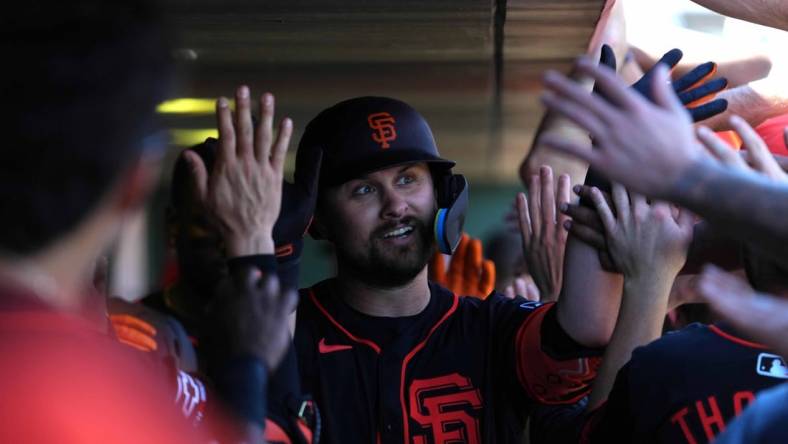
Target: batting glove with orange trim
[[134, 332], [468, 274], [298, 207]]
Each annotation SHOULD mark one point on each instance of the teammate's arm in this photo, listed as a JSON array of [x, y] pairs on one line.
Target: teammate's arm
[[755, 102], [772, 13], [649, 245], [651, 148]]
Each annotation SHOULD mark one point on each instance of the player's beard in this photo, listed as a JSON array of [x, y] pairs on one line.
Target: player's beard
[[386, 266]]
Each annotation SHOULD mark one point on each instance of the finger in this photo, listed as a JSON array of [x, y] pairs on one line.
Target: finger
[[564, 197], [547, 201], [244, 129], [534, 207], [667, 61], [270, 285], [584, 192], [524, 220], [289, 302], [438, 268], [748, 311], [614, 89], [281, 145], [702, 94], [585, 216], [639, 206], [664, 95], [621, 200], [719, 149], [198, 176], [264, 133], [224, 122], [588, 235], [574, 149], [695, 77], [532, 292], [487, 281], [521, 287], [457, 264], [607, 57], [759, 155], [685, 219], [569, 109], [708, 110], [508, 292]]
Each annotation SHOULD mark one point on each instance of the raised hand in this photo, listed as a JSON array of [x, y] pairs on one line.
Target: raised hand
[[760, 316], [541, 228], [255, 315], [243, 192], [757, 155], [644, 239], [468, 274], [694, 89], [645, 146]]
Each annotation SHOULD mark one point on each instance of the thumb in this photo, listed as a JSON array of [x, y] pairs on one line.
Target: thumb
[[198, 175]]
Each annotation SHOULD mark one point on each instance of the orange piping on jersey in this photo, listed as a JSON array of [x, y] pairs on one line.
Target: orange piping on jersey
[[408, 357], [275, 433], [366, 342], [739, 341]]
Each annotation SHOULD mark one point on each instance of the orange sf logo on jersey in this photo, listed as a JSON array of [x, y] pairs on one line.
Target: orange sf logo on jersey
[[383, 124]]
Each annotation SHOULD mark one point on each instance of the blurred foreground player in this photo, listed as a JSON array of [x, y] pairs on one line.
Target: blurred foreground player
[[389, 356], [77, 163], [80, 159]]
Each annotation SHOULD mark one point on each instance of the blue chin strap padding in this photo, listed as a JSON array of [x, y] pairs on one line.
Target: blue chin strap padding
[[453, 202]]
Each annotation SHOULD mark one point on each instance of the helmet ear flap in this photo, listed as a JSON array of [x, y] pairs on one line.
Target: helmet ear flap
[[452, 207]]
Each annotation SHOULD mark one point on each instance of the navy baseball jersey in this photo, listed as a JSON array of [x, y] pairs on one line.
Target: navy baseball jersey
[[464, 370], [685, 387]]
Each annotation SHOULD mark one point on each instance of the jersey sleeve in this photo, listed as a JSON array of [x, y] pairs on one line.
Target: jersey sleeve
[[548, 366]]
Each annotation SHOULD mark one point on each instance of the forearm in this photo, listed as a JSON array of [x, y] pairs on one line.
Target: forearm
[[755, 103], [639, 322], [590, 297], [772, 13], [539, 155], [746, 206]]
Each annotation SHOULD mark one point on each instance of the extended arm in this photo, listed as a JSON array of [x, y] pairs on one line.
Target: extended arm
[[772, 13]]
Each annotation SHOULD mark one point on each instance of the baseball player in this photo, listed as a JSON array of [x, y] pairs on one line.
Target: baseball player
[[389, 356]]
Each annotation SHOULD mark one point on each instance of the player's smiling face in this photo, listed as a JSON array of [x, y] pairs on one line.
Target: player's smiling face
[[381, 223]]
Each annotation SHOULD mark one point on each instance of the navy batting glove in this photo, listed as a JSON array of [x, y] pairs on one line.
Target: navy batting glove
[[298, 207]]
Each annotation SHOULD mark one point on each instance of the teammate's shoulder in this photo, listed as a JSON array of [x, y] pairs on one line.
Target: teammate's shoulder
[[678, 344]]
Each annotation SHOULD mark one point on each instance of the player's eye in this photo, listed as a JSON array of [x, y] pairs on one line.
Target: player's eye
[[405, 179], [362, 190]]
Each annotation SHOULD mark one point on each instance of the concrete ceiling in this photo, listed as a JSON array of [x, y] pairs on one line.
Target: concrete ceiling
[[471, 67]]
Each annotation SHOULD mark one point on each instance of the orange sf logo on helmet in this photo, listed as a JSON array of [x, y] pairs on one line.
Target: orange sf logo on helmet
[[383, 124]]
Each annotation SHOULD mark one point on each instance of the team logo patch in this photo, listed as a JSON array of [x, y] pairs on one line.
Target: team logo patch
[[772, 366], [446, 407], [383, 124]]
